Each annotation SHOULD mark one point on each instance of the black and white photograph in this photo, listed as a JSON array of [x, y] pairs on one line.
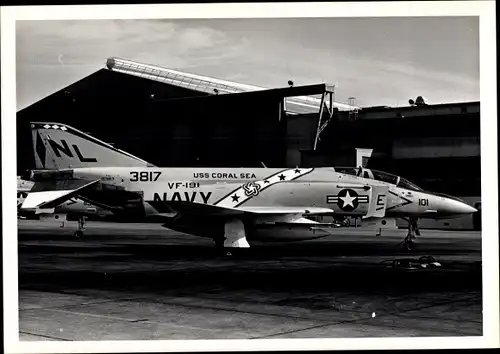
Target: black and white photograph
[[281, 176]]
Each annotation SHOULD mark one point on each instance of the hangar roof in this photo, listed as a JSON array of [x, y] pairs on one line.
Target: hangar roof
[[205, 84], [459, 111]]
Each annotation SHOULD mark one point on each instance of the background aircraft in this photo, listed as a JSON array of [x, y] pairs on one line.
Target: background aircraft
[[71, 208], [23, 188], [229, 205]]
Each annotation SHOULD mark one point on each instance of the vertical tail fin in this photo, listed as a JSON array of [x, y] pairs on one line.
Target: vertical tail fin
[[59, 146]]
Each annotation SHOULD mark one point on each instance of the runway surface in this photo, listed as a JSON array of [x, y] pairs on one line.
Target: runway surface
[[140, 281]]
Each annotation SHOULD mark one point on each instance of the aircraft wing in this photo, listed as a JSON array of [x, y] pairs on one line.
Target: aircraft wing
[[286, 210], [274, 215], [211, 210], [49, 194]]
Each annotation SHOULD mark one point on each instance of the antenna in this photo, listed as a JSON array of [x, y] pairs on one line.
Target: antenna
[[353, 112], [289, 73]]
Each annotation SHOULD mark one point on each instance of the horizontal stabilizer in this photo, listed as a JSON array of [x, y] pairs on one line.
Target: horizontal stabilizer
[[47, 195]]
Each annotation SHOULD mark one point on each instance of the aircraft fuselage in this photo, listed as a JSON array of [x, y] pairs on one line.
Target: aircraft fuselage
[[248, 187]]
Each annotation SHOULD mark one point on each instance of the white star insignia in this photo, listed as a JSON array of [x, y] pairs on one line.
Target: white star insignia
[[348, 200]]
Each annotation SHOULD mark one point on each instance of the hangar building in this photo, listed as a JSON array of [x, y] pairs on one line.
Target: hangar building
[[171, 118], [175, 119]]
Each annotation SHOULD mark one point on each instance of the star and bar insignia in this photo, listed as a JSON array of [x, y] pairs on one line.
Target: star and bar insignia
[[347, 199]]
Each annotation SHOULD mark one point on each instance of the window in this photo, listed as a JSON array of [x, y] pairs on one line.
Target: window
[[385, 177], [347, 170], [403, 183]]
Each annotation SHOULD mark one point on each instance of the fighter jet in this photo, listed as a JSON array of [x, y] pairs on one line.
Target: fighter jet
[[233, 206], [73, 206], [23, 188]]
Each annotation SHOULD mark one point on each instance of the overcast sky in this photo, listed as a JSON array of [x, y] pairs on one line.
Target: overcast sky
[[380, 61]]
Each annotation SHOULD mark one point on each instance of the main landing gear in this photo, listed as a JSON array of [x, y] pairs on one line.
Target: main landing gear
[[81, 226], [408, 243]]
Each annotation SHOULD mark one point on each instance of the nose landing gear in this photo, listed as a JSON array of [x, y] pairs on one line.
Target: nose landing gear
[[408, 243], [81, 226]]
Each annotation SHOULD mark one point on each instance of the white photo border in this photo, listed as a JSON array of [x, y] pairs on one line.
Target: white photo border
[[485, 10]]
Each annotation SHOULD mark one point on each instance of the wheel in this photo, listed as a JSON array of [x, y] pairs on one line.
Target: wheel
[[78, 234], [408, 246]]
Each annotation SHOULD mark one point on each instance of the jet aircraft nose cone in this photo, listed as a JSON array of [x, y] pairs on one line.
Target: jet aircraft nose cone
[[462, 208], [471, 209]]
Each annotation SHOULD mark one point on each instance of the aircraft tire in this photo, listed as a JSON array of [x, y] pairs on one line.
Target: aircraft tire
[[78, 234], [408, 246]]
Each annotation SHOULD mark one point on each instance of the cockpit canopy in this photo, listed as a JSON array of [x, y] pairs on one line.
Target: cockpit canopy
[[379, 176], [404, 183]]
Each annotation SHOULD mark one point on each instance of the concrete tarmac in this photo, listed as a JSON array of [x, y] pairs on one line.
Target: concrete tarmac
[[141, 281]]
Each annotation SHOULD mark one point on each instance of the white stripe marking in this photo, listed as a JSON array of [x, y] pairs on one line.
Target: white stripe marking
[[239, 196]]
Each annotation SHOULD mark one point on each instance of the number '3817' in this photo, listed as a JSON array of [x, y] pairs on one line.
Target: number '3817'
[[144, 176]]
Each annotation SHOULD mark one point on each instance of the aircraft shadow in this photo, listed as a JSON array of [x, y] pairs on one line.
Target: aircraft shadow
[[163, 268]]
